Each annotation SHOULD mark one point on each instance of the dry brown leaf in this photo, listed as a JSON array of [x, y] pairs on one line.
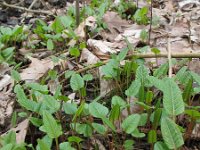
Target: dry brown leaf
[[20, 130], [115, 25], [6, 107], [80, 31], [187, 5], [88, 56], [103, 49], [36, 70]]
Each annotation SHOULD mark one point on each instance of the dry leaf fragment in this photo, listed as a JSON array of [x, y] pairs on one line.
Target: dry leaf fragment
[[187, 5], [37, 69], [20, 130], [6, 107], [103, 48], [88, 56]]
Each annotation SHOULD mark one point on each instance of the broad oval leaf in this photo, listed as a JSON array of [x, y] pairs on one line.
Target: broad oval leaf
[[171, 133], [98, 110], [131, 123], [76, 82]]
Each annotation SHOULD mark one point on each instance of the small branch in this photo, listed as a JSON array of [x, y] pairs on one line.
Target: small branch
[[32, 4], [26, 9]]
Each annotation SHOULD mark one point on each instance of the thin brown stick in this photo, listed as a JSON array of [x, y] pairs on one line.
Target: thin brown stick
[[26, 9], [32, 4]]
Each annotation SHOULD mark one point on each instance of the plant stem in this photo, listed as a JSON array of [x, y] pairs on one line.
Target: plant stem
[[77, 13], [57, 146]]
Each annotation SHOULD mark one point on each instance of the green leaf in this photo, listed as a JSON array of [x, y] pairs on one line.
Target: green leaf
[[8, 52], [131, 123], [74, 52], [156, 82], [84, 129], [171, 133], [172, 99], [79, 111], [117, 100], [143, 119], [66, 146], [38, 87], [76, 82], [152, 136], [35, 121], [157, 117], [187, 93], [183, 76], [110, 69], [133, 89], [144, 35], [75, 139], [69, 73], [50, 125], [45, 143], [23, 101], [57, 25], [15, 75], [70, 108], [155, 50], [10, 137], [122, 54], [142, 73], [140, 16], [114, 113], [99, 128], [107, 122], [193, 113], [196, 77], [161, 71], [51, 103], [66, 21], [160, 146], [97, 110], [128, 144], [50, 45], [88, 77], [136, 133]]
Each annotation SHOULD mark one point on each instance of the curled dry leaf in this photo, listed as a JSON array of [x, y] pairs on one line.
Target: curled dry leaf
[[188, 5], [102, 49], [89, 57], [6, 107], [5, 81], [89, 22], [115, 25], [37, 69], [20, 130]]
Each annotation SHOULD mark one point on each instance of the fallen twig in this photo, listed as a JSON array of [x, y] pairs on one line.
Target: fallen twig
[[26, 9]]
